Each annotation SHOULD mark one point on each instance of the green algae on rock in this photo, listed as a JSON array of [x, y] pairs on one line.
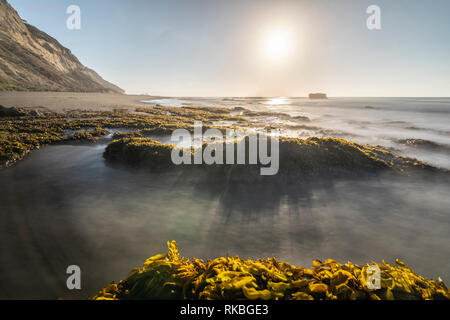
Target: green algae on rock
[[144, 151], [32, 129], [28, 129], [322, 153], [170, 276], [297, 157]]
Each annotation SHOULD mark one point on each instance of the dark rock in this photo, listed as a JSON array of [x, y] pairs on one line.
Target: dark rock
[[9, 112]]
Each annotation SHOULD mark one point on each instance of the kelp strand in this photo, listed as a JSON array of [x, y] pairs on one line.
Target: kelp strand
[[170, 276]]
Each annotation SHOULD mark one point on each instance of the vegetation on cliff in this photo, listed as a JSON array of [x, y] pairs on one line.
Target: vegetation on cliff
[[170, 276], [32, 60]]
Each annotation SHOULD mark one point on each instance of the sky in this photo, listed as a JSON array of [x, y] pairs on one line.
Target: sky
[[257, 47]]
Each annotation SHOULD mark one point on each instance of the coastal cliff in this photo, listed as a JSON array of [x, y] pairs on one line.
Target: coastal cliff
[[31, 60]]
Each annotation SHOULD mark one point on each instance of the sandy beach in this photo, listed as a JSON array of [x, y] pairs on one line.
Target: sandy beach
[[63, 101]]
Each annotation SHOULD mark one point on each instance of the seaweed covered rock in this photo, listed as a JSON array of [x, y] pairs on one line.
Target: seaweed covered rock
[[15, 146], [88, 135], [127, 134], [298, 158], [142, 151], [333, 154], [9, 112], [170, 276], [28, 129]]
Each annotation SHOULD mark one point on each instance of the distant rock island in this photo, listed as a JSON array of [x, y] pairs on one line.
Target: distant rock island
[[31, 60], [318, 96]]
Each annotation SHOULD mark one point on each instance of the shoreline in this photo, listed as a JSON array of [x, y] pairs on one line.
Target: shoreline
[[63, 101], [32, 128]]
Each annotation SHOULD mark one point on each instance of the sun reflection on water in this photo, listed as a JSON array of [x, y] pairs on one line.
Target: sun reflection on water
[[278, 101]]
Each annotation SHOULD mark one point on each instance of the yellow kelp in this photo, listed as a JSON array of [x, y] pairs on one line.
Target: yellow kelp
[[170, 276]]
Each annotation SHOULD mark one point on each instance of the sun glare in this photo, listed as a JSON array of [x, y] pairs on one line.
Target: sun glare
[[277, 101], [278, 44]]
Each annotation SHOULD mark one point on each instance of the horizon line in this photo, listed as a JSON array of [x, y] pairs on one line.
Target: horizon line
[[288, 97]]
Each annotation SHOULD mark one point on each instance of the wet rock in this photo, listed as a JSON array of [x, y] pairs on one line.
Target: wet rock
[[298, 159], [10, 112]]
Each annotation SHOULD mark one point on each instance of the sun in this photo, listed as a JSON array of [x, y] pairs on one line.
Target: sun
[[278, 44]]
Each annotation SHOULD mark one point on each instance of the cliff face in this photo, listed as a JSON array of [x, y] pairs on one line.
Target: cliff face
[[32, 60]]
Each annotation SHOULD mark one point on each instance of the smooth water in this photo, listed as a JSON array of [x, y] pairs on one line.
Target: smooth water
[[63, 205]]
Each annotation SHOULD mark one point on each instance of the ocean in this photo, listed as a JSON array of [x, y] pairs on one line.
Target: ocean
[[413, 127], [64, 205]]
